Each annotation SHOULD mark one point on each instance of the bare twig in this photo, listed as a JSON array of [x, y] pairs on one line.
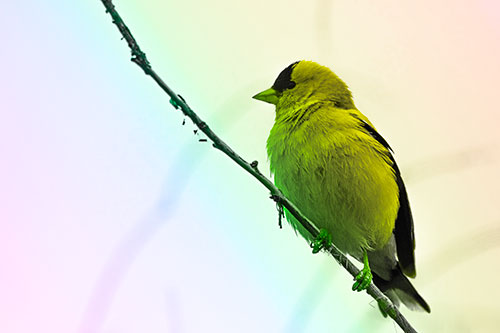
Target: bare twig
[[178, 102]]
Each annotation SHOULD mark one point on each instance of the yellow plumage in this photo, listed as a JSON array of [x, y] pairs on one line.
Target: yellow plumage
[[329, 160], [334, 172]]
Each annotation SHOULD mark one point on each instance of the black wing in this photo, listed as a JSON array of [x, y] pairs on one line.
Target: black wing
[[403, 231]]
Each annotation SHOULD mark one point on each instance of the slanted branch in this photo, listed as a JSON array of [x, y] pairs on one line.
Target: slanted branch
[[178, 102]]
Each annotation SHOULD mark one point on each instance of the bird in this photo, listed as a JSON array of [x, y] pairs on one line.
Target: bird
[[331, 162]]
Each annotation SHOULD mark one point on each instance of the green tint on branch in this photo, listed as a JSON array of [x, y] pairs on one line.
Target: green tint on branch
[[178, 102]]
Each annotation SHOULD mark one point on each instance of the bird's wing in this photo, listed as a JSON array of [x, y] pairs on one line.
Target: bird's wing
[[403, 230]]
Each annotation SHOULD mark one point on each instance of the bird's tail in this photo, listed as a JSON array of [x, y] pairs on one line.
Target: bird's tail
[[400, 290]]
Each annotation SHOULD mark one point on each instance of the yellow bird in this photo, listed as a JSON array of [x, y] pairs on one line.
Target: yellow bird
[[329, 160]]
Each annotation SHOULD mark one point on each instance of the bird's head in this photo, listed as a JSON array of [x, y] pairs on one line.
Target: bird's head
[[305, 81]]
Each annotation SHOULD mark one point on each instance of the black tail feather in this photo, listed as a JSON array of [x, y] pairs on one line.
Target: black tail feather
[[399, 289]]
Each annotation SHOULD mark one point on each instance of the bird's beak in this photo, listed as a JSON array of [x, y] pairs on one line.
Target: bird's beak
[[270, 96]]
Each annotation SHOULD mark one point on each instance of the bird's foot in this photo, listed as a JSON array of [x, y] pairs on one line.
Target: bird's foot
[[324, 240], [364, 277]]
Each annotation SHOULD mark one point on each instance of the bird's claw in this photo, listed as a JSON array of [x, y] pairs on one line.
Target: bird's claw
[[324, 240], [363, 279]]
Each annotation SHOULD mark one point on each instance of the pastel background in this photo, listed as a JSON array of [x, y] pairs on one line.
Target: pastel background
[[114, 218]]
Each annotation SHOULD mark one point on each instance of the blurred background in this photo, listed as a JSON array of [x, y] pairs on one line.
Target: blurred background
[[115, 218]]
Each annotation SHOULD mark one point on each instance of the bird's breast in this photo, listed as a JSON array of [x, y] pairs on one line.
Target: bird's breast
[[337, 179]]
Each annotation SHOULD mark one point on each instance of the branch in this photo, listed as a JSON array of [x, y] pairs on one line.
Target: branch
[[178, 102]]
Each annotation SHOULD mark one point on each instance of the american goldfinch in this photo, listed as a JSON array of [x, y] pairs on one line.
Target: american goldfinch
[[330, 161]]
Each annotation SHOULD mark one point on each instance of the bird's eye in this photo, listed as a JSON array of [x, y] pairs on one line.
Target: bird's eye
[[291, 85]]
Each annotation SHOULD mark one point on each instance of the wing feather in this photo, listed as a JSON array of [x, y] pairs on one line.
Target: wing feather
[[403, 230]]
